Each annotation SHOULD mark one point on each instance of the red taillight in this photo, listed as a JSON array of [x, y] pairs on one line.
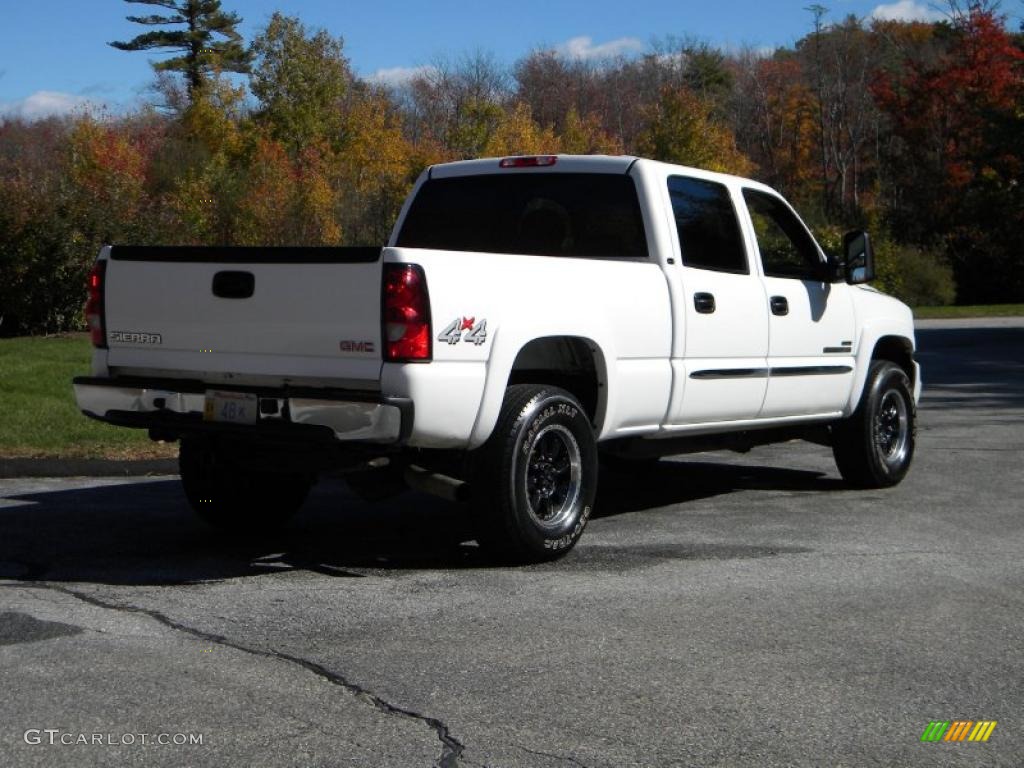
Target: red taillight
[[406, 313], [94, 311], [535, 161]]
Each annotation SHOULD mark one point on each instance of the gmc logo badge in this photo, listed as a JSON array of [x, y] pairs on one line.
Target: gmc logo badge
[[356, 346]]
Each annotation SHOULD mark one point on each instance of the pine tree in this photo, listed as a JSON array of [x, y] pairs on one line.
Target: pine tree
[[200, 53]]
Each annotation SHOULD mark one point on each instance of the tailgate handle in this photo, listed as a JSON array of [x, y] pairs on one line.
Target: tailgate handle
[[234, 285]]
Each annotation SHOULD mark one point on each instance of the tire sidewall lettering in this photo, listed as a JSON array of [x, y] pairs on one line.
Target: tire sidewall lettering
[[550, 410]]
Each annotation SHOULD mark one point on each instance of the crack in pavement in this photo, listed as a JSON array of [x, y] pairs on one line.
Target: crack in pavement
[[451, 748]]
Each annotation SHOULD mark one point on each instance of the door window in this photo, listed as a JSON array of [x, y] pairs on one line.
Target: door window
[[787, 248], [709, 234]]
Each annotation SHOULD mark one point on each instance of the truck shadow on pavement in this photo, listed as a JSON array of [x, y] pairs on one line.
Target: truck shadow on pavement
[[666, 482], [143, 533]]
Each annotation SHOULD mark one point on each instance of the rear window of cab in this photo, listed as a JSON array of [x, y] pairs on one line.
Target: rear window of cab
[[581, 215]]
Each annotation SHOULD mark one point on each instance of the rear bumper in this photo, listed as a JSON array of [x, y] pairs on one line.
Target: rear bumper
[[174, 407]]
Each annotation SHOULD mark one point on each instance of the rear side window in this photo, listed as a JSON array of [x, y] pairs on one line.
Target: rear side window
[[709, 233], [586, 215]]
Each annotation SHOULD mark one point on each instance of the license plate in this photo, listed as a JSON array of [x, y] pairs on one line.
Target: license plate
[[230, 407]]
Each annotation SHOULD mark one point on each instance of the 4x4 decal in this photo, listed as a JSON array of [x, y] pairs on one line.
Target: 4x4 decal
[[476, 331]]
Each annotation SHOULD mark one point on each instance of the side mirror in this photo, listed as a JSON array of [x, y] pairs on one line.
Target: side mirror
[[859, 261]]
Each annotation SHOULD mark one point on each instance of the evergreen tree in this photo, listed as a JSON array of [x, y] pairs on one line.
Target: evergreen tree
[[200, 52]]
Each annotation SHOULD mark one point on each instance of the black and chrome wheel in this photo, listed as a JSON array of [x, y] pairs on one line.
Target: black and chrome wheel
[[874, 447], [537, 475], [232, 496], [554, 474]]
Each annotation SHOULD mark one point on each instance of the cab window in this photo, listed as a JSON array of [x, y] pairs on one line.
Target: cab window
[[787, 248], [709, 233]]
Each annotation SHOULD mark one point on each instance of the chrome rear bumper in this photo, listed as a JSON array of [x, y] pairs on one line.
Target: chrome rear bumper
[[179, 407]]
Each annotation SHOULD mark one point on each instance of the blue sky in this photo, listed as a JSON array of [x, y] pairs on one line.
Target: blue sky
[[53, 53]]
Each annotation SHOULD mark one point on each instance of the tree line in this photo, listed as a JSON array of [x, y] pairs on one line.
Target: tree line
[[914, 130]]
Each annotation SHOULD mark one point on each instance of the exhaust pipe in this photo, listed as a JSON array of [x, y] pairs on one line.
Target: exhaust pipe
[[435, 484]]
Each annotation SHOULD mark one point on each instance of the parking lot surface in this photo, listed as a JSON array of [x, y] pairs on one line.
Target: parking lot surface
[[721, 609]]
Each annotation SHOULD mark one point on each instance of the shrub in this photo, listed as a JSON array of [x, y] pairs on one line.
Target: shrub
[[911, 274], [926, 278]]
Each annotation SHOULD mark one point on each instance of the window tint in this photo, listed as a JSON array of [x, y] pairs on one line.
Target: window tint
[[542, 214], [787, 249], [709, 235]]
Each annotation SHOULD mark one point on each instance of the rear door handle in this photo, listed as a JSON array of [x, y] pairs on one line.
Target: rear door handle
[[780, 305], [704, 303]]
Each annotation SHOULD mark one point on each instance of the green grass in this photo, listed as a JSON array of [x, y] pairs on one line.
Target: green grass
[[38, 415], [991, 310]]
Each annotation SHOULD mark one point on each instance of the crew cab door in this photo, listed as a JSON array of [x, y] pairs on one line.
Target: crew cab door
[[722, 373], [811, 320]]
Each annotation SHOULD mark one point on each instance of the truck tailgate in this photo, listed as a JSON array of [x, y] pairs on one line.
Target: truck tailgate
[[281, 312]]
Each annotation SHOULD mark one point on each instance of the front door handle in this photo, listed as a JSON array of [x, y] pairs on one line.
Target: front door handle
[[704, 303], [780, 305]]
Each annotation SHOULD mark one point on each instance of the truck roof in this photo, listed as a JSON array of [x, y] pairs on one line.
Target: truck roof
[[563, 163], [578, 164]]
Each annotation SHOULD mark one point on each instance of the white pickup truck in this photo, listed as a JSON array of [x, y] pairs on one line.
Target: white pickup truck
[[528, 316]]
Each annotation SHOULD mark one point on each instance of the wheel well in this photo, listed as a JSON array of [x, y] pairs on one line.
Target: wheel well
[[569, 362], [897, 350]]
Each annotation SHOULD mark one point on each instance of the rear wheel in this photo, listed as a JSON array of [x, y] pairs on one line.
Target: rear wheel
[[874, 447], [234, 497], [538, 478]]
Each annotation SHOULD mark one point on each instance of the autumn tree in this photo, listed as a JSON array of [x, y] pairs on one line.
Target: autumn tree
[[682, 129], [774, 112], [954, 160], [376, 170], [301, 79], [517, 133], [584, 136], [458, 103], [208, 42], [840, 61]]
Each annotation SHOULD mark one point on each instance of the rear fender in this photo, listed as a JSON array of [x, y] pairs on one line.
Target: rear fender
[[508, 342]]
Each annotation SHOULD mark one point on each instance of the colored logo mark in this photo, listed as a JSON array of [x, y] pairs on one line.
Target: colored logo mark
[[958, 730]]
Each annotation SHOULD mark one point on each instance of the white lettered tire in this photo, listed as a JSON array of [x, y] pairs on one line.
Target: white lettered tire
[[537, 476]]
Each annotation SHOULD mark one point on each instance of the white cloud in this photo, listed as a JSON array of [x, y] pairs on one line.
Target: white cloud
[[44, 104], [584, 48], [906, 10], [396, 77]]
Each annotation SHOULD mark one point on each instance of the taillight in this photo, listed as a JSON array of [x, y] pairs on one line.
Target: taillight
[[405, 309], [94, 310], [534, 161]]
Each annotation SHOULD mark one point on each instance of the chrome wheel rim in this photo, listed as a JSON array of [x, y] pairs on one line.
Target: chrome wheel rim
[[553, 479], [892, 429]]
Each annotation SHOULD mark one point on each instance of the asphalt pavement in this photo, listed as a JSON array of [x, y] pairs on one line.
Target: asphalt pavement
[[721, 609]]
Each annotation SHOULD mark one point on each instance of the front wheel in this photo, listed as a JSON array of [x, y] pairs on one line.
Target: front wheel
[[538, 476], [874, 447]]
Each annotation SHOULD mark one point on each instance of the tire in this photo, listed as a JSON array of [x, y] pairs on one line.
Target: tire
[[875, 446], [233, 498], [537, 481]]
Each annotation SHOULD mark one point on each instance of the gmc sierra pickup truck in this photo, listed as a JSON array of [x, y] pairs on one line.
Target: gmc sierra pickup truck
[[529, 317]]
